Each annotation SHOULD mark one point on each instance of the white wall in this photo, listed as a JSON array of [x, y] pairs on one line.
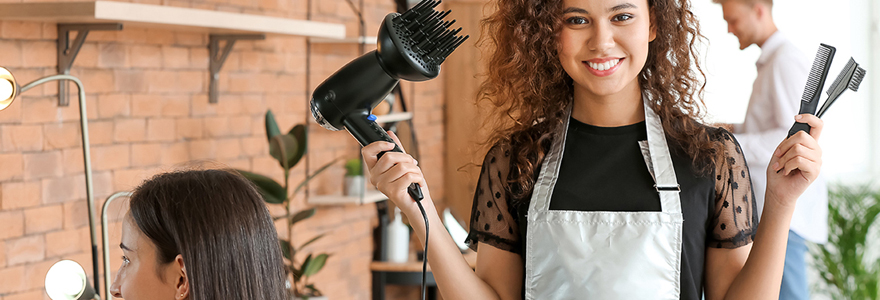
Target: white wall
[[850, 155]]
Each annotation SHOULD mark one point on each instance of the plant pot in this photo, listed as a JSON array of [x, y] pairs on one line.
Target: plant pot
[[354, 186], [310, 298]]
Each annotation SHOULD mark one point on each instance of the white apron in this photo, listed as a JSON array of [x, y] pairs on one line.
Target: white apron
[[605, 255]]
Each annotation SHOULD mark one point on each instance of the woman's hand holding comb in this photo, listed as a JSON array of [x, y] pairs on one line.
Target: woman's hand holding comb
[[795, 164]]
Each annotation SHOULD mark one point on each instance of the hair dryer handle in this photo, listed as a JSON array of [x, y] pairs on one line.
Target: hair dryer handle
[[362, 126]]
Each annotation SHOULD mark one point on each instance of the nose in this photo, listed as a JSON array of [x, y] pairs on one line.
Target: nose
[[602, 37], [114, 288]]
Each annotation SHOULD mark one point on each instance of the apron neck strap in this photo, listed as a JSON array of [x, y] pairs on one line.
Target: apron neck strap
[[666, 183]]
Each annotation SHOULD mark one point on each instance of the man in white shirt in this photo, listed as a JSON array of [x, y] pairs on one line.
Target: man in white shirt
[[775, 100]]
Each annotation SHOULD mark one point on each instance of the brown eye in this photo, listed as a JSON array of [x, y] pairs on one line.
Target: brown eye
[[622, 17], [577, 21]]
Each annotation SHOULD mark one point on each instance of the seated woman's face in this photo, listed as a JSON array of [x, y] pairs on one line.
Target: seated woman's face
[[141, 276]]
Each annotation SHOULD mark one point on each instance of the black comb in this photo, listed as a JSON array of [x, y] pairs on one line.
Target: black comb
[[850, 78], [815, 83]]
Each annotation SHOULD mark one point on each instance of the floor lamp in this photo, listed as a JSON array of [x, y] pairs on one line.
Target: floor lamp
[[9, 89]]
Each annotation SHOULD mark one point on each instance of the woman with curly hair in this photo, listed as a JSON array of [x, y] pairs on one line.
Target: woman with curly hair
[[601, 181]]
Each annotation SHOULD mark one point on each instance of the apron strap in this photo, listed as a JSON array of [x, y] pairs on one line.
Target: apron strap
[[546, 181], [666, 183]]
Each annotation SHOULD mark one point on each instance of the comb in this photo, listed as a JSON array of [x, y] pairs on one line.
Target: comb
[[815, 83], [850, 78]]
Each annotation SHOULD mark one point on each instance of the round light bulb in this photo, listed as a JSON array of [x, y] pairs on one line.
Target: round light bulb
[[7, 88], [66, 279]]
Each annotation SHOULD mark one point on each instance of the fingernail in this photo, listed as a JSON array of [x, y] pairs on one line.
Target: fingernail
[[416, 162], [775, 165], [798, 117], [777, 152]]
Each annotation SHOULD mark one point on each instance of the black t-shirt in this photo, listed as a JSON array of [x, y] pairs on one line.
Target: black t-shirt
[[603, 170]]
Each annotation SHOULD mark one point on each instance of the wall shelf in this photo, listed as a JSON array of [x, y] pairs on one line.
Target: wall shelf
[[394, 117], [160, 16], [349, 40], [370, 196]]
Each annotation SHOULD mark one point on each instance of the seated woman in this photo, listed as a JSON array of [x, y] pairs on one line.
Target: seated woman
[[202, 234]]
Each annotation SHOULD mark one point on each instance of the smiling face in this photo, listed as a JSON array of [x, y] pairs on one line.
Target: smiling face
[[603, 44], [138, 276]]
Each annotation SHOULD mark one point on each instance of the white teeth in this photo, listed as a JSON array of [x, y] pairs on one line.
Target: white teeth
[[604, 66]]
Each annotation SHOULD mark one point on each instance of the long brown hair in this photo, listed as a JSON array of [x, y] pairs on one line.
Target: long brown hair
[[217, 221], [529, 89]]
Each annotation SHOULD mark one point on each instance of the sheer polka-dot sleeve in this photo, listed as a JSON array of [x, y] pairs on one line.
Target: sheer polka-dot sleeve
[[735, 220], [493, 219]]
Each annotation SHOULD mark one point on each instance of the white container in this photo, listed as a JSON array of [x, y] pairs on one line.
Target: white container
[[354, 186], [397, 244]]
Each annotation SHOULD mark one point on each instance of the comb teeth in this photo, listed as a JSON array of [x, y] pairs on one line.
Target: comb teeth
[[842, 80], [427, 34], [857, 79], [816, 77]]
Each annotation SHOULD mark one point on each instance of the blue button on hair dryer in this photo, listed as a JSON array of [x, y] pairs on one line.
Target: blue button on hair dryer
[[411, 47]]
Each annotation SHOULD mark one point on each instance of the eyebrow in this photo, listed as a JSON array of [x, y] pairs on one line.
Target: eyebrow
[[124, 247], [618, 7]]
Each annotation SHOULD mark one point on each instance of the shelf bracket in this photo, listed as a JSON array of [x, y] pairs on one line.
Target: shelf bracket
[[67, 52], [218, 57]]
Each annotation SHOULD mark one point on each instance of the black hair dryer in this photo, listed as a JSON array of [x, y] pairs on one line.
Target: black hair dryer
[[411, 46]]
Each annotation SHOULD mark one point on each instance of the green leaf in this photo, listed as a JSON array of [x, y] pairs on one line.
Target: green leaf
[[271, 125], [315, 265], [300, 135], [285, 248], [312, 241], [271, 191], [282, 147], [302, 215]]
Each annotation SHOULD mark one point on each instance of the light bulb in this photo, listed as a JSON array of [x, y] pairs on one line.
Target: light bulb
[[6, 89], [66, 279]]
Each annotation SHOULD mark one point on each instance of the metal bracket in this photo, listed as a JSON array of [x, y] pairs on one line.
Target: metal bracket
[[218, 57], [67, 52]]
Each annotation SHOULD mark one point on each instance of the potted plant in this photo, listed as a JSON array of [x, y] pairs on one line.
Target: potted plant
[[288, 149], [846, 263], [354, 177]]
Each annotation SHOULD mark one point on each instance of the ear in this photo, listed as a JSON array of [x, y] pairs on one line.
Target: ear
[[182, 280], [653, 28], [760, 10]]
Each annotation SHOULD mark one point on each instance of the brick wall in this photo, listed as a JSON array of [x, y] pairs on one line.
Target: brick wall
[[149, 112]]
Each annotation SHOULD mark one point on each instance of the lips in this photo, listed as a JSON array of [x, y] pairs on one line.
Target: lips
[[603, 67]]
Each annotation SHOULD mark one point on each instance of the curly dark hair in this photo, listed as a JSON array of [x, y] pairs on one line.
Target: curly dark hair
[[530, 91]]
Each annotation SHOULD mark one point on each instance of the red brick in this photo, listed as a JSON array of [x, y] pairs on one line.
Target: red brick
[[162, 81], [38, 53], [201, 106], [95, 80], [159, 36], [175, 153], [189, 128], [198, 57], [59, 243], [145, 105], [11, 227], [42, 164], [112, 55], [202, 149], [11, 166], [217, 127], [126, 180], [25, 250], [73, 161], [230, 105], [88, 55], [160, 130], [63, 189], [10, 51], [228, 148], [133, 36], [29, 295], [35, 277], [22, 138], [2, 255], [252, 146], [13, 280], [114, 105], [101, 132], [175, 57], [39, 109], [143, 155], [175, 106], [76, 214], [192, 81], [43, 219], [61, 135], [190, 39], [130, 81], [145, 56], [130, 130], [110, 157]]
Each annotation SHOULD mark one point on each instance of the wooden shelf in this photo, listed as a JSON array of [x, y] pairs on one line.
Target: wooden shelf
[[159, 16], [349, 40], [370, 196]]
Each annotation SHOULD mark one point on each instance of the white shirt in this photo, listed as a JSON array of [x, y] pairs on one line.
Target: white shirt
[[775, 100]]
